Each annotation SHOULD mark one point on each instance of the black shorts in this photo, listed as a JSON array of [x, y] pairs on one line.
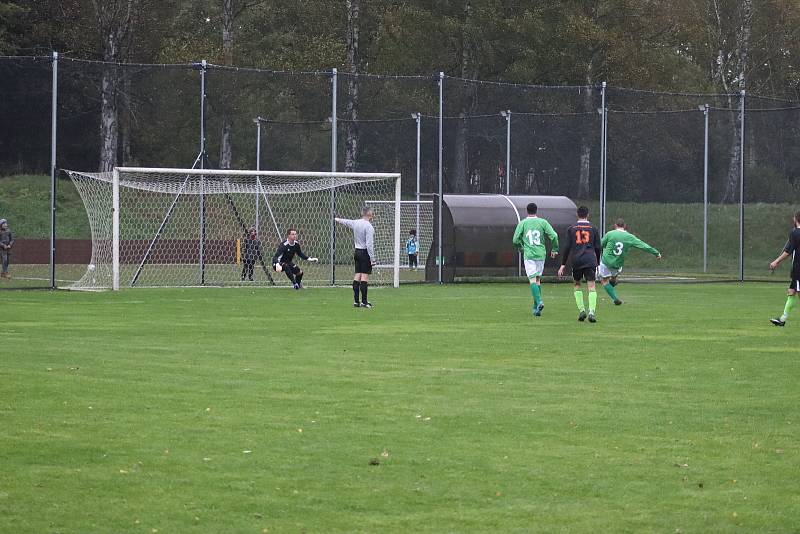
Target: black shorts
[[363, 263], [584, 273], [290, 267], [795, 283]]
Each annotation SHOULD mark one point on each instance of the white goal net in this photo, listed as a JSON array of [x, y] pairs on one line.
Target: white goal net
[[192, 227]]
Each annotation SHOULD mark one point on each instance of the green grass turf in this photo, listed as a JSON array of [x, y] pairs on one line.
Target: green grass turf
[[237, 410]]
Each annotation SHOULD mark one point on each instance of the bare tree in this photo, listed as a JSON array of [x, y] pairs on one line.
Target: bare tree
[[351, 142], [225, 145], [231, 11], [114, 20], [729, 73], [461, 179]]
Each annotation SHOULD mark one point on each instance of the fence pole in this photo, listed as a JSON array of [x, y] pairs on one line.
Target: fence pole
[[741, 189], [334, 76], [203, 65], [258, 120], [53, 145], [418, 117], [439, 257], [603, 125], [705, 110], [507, 115]]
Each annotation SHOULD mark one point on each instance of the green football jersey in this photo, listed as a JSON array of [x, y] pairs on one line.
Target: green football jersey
[[616, 245], [529, 236]]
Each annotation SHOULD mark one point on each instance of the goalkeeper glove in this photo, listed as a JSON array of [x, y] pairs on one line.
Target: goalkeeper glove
[[313, 260], [278, 267]]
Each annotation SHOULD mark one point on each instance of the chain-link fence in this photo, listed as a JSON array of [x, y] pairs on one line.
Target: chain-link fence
[[672, 165]]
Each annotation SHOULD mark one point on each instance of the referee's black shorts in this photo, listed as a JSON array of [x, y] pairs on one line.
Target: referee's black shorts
[[363, 263]]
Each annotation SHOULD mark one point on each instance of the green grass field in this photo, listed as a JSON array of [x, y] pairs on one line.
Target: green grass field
[[443, 409]]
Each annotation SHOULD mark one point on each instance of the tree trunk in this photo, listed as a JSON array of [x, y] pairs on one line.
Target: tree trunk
[[461, 180], [109, 124], [225, 145], [461, 171], [114, 20], [351, 142], [731, 192], [586, 144]]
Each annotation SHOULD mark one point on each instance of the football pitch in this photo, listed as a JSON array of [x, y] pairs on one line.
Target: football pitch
[[442, 409]]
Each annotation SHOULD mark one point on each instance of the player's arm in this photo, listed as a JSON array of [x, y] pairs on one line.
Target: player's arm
[[517, 239], [553, 236], [303, 256], [641, 245], [598, 249], [346, 222], [371, 244], [777, 261], [276, 259], [566, 252]]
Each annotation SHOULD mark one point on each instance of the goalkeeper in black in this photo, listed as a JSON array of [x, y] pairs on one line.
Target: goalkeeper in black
[[583, 251], [282, 260]]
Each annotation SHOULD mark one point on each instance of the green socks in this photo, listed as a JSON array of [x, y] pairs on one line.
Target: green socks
[[611, 292], [579, 300], [536, 291], [790, 303], [592, 301]]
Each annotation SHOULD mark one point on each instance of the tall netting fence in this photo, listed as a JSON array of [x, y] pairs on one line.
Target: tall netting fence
[[294, 108], [26, 90], [672, 165], [772, 183]]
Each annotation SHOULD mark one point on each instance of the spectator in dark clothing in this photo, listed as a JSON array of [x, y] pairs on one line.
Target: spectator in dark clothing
[[251, 252], [6, 242]]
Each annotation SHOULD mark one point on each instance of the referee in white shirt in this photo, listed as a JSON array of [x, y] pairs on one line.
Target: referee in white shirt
[[364, 256]]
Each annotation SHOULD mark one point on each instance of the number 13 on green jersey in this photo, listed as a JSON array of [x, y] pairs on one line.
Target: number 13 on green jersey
[[529, 236]]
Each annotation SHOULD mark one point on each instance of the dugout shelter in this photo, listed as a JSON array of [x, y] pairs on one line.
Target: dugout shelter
[[477, 232]]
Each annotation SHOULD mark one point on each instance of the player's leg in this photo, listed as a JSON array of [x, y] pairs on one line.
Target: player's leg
[[576, 277], [606, 277], [356, 286], [298, 275], [364, 286], [5, 257], [533, 269], [356, 279], [590, 284], [288, 270], [791, 302]]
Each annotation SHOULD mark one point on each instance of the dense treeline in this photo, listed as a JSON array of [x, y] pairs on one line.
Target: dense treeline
[[139, 115]]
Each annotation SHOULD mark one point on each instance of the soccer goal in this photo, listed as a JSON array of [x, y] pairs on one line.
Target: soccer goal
[[189, 227]]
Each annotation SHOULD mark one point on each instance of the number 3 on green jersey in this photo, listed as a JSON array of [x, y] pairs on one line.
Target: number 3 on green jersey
[[618, 246]]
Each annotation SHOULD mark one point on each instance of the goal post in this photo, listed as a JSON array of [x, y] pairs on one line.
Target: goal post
[[162, 227]]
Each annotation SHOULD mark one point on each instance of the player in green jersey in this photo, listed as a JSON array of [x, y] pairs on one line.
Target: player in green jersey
[[616, 244], [529, 238]]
